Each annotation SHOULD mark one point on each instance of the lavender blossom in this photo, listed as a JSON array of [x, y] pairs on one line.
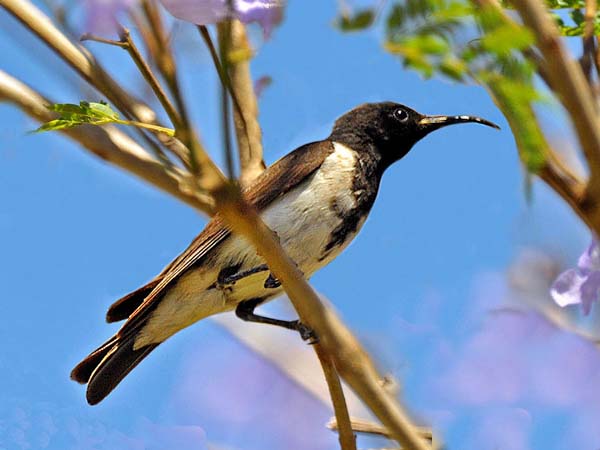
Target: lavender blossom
[[267, 13], [101, 15], [580, 285]]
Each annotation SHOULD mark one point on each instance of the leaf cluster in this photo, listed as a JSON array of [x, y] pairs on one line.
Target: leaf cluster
[[71, 115]]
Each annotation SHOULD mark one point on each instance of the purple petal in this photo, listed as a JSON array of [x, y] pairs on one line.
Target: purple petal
[[198, 12], [261, 84], [566, 289], [267, 13], [101, 15], [589, 291], [590, 260]]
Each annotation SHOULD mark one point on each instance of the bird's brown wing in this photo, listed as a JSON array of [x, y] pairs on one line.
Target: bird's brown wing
[[278, 179]]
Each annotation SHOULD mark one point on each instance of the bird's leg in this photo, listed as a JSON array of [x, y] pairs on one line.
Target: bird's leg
[[245, 311]]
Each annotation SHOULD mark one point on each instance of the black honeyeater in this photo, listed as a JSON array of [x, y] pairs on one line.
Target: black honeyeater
[[316, 199]]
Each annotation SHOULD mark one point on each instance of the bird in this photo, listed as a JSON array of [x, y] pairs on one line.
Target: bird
[[316, 199]]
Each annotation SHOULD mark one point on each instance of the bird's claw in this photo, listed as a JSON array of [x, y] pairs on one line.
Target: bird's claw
[[306, 333], [271, 282]]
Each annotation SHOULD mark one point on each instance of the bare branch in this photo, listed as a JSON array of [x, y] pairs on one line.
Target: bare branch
[[589, 41], [247, 129], [365, 426], [128, 45], [346, 435]]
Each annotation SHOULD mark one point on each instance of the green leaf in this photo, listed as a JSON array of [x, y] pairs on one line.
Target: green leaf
[[396, 17], [58, 124], [453, 68], [361, 20], [71, 115], [507, 38]]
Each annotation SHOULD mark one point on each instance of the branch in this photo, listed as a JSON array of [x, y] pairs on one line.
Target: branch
[[108, 143], [157, 43], [364, 426], [127, 44], [247, 128], [589, 42], [346, 435], [571, 86]]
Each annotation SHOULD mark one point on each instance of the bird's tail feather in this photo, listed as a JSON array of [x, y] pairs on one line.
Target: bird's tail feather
[[125, 306], [118, 362], [83, 371], [104, 368]]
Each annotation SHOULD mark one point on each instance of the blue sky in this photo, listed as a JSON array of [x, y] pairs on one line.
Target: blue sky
[[76, 234]]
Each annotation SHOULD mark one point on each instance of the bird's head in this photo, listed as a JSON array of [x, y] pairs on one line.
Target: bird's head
[[391, 128]]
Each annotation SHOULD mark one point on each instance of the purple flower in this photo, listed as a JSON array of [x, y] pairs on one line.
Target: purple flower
[[267, 13], [101, 15], [581, 284]]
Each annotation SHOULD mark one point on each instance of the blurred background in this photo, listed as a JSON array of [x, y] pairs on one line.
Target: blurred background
[[447, 285]]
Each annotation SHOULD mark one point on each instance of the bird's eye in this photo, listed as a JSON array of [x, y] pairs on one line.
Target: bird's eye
[[401, 115]]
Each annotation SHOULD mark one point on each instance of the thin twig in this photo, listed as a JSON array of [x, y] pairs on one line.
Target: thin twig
[[346, 435], [367, 427], [224, 78], [589, 41], [224, 44], [158, 45], [247, 128], [127, 44]]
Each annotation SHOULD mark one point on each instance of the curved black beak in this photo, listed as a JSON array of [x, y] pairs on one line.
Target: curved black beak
[[431, 123]]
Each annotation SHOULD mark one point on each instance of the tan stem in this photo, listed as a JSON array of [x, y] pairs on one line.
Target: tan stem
[[247, 129], [346, 435], [367, 427]]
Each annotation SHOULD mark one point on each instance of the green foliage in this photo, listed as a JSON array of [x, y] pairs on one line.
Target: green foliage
[[72, 115], [577, 26], [92, 113], [456, 41], [357, 21]]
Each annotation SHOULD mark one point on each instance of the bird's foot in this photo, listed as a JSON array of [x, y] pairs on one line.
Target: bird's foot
[[306, 333], [271, 282]]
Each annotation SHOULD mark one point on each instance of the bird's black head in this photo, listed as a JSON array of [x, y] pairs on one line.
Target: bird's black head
[[391, 129]]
